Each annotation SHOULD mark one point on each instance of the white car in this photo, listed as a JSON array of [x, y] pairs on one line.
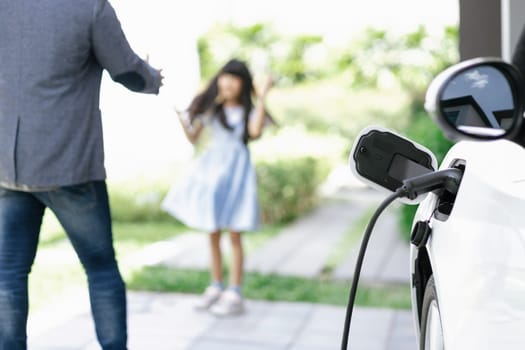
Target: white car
[[469, 278], [468, 239]]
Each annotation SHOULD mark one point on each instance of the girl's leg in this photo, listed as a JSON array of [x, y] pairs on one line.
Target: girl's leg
[[213, 292], [216, 258], [231, 301], [237, 268]]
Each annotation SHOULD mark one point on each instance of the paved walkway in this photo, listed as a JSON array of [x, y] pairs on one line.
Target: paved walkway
[[387, 255], [300, 249], [168, 322], [303, 248]]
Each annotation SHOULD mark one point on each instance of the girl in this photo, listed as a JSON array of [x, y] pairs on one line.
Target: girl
[[221, 192]]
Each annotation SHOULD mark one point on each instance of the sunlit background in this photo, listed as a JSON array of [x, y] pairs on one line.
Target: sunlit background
[[142, 136]]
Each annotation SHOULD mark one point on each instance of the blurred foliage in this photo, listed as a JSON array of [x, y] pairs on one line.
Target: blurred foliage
[[294, 67], [288, 188], [375, 59], [225, 41], [422, 129], [135, 204], [410, 60], [207, 65], [264, 50]]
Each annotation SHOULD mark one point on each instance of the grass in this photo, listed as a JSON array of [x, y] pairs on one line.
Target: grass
[[273, 288]]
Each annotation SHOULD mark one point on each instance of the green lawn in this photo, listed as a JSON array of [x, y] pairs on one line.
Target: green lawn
[[273, 288]]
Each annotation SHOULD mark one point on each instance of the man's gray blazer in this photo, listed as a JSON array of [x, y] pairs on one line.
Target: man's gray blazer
[[52, 54]]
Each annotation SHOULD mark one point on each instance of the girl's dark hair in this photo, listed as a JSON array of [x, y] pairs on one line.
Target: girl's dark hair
[[207, 101]]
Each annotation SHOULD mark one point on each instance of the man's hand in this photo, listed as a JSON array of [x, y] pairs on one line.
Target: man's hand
[[161, 77], [159, 71]]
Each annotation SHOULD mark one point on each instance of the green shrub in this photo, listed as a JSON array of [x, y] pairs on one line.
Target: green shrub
[[424, 130], [288, 188], [134, 204]]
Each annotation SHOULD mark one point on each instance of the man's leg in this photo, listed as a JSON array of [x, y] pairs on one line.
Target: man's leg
[[20, 219], [83, 211]]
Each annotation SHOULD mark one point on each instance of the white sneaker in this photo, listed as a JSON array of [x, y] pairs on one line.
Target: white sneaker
[[210, 296], [230, 303]]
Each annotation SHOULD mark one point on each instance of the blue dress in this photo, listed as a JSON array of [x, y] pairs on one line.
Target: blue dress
[[220, 192]]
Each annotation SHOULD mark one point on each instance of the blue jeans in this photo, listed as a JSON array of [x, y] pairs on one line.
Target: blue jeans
[[83, 211]]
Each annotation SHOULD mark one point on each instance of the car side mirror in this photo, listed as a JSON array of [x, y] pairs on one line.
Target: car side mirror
[[477, 99], [383, 159]]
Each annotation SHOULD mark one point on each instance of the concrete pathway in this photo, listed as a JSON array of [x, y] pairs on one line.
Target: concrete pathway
[[303, 248], [168, 322], [188, 250], [386, 258]]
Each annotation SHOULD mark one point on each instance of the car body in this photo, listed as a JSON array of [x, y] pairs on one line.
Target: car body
[[476, 250]]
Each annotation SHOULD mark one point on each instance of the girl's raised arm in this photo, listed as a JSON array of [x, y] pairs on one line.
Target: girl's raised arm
[[256, 124], [192, 131]]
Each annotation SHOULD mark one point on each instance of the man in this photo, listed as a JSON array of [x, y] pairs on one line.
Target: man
[[52, 54]]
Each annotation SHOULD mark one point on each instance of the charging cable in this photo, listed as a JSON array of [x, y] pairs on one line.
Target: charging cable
[[448, 179]]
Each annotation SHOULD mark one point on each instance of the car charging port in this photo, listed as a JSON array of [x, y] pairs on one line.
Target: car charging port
[[447, 180], [446, 200]]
